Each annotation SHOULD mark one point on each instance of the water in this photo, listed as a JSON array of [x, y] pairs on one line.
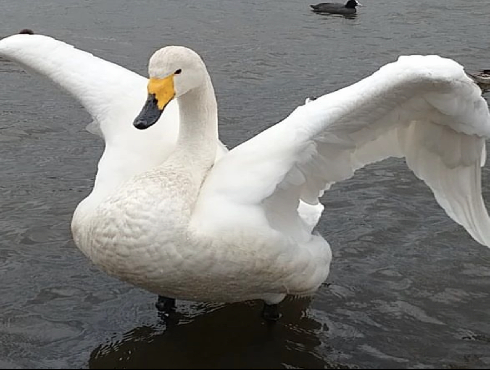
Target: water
[[408, 287]]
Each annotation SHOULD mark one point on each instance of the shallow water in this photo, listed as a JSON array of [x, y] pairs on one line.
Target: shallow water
[[408, 287]]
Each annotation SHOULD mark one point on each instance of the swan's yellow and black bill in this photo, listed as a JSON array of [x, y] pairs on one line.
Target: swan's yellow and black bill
[[160, 93]]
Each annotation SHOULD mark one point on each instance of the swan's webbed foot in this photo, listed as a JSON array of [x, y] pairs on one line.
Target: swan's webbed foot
[[165, 305], [270, 312]]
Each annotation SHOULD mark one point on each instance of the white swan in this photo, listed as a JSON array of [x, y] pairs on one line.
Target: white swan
[[170, 218]]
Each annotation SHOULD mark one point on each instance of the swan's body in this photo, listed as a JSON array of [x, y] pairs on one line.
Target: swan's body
[[182, 224]]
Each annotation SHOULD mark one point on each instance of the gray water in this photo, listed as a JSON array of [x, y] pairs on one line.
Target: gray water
[[408, 288]]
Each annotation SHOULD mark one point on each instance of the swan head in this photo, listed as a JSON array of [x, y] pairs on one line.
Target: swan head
[[173, 72]]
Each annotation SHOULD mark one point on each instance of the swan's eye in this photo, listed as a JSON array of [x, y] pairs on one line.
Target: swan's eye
[[178, 72]]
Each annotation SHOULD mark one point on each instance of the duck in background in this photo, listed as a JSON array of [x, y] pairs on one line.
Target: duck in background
[[482, 79], [337, 8]]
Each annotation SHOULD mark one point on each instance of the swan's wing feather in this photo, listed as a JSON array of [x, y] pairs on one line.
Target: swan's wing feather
[[423, 108], [106, 90], [112, 95]]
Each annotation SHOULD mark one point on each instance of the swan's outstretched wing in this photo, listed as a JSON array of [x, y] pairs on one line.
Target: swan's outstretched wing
[[113, 96], [109, 92], [423, 108]]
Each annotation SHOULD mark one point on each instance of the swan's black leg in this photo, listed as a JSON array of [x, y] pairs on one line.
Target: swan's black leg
[[270, 312], [165, 304]]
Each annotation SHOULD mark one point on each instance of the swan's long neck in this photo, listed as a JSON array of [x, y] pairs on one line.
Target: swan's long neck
[[195, 152], [198, 133]]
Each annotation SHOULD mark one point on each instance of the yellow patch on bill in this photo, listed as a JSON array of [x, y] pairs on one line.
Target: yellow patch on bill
[[163, 89]]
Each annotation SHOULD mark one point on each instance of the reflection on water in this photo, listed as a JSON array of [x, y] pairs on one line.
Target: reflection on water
[[223, 336], [346, 16]]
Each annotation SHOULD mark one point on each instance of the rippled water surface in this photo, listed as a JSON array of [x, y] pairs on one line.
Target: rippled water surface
[[408, 288]]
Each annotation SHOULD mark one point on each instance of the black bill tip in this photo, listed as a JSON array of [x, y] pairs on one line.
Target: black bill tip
[[149, 115], [140, 125]]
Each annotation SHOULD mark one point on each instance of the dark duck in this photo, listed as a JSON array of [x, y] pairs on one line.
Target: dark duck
[[336, 8]]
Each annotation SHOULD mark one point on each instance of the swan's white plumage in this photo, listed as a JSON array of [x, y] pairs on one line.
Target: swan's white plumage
[[423, 108], [110, 93], [247, 232]]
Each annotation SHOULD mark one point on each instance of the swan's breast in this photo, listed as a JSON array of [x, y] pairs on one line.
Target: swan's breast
[[137, 227], [141, 235]]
